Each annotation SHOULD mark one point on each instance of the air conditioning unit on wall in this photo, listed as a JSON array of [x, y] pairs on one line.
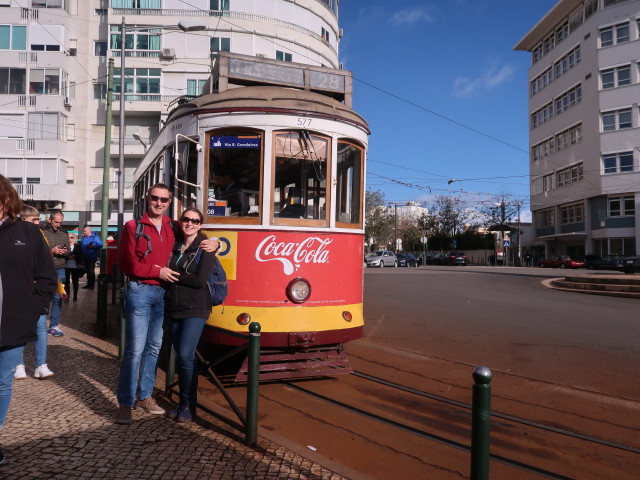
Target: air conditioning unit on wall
[[168, 53]]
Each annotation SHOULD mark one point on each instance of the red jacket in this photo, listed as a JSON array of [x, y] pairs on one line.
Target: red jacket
[[131, 257]]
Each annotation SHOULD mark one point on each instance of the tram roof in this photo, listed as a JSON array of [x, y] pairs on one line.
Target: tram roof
[[270, 99]]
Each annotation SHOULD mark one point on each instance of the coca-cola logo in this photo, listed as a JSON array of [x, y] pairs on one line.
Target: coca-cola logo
[[293, 254]]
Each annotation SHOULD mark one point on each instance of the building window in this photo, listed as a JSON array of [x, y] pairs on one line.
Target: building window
[[46, 125], [13, 37], [572, 213], [286, 57], [614, 35], [547, 182], [99, 91], [100, 49], [220, 44], [144, 83], [616, 120], [136, 4], [13, 81], [615, 77], [541, 81], [219, 5], [543, 149], [568, 137], [567, 62], [47, 4], [325, 34], [608, 3], [542, 115], [546, 218], [617, 162], [195, 86], [570, 175], [45, 81], [148, 40], [622, 206], [568, 99]]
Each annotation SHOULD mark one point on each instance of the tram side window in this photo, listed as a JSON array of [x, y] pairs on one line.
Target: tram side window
[[300, 176], [349, 182], [234, 175]]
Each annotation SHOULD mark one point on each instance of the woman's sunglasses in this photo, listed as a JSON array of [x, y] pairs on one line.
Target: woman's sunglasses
[[155, 198], [194, 221]]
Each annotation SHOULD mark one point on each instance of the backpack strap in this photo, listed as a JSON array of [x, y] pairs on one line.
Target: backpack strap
[[140, 233]]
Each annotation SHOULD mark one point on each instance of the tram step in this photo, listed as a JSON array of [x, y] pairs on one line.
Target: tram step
[[278, 366]]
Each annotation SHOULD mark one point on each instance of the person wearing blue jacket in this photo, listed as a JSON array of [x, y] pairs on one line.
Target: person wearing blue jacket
[[91, 245]]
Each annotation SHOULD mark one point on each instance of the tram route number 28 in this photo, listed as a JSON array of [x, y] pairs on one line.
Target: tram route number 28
[[304, 122]]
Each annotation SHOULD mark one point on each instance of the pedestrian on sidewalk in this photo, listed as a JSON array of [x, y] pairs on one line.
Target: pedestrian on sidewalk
[[187, 307], [29, 214], [27, 284], [145, 248], [91, 245], [57, 238], [73, 269]]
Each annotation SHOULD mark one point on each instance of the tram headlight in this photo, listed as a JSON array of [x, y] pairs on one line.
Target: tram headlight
[[243, 319], [298, 290]]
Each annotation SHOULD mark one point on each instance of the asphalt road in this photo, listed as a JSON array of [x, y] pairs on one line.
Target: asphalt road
[[504, 318]]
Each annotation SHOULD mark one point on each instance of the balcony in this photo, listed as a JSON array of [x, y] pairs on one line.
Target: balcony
[[52, 194]]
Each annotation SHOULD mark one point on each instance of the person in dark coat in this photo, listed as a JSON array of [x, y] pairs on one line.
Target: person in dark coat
[[188, 306], [28, 281]]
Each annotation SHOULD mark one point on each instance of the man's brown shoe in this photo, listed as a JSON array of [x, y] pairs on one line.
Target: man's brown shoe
[[123, 417], [149, 405]]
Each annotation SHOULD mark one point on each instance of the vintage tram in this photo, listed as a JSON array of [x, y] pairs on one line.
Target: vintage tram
[[275, 159]]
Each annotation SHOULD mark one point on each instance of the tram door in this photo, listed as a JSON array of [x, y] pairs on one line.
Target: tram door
[[187, 173]]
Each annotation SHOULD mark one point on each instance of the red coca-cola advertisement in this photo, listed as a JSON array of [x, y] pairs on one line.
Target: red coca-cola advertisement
[[260, 265]]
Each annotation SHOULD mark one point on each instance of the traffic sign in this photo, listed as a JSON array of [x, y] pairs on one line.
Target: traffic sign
[[423, 239], [506, 243]]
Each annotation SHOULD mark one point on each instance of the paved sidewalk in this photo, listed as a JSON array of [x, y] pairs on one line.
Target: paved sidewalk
[[62, 427]]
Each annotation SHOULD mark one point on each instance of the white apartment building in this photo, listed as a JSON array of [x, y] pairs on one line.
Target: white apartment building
[[53, 82], [584, 120]]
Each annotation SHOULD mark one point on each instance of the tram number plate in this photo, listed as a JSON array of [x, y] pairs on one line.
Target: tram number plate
[[304, 122]]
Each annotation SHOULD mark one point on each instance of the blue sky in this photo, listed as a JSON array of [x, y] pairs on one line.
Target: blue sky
[[444, 93]]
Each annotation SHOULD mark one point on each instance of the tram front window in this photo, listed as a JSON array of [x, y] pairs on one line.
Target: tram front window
[[300, 176], [234, 175]]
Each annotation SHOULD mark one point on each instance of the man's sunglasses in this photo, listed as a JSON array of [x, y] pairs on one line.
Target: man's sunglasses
[[155, 198], [194, 221]]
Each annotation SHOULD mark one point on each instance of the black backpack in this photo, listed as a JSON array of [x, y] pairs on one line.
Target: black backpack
[[140, 233]]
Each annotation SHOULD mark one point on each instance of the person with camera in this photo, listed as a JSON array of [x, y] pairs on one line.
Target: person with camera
[[58, 240], [91, 245]]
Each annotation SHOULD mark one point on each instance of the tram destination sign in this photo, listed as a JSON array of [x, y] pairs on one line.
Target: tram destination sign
[[266, 72], [229, 141]]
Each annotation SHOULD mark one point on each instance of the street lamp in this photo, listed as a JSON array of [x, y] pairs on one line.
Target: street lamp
[[137, 137], [185, 26]]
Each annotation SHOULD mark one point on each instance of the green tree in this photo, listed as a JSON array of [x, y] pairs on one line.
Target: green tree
[[450, 214], [378, 220]]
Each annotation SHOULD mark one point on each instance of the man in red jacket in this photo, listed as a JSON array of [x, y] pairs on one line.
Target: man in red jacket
[[143, 256]]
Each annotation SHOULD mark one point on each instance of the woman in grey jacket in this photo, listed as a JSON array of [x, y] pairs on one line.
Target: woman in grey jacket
[[187, 307], [28, 281]]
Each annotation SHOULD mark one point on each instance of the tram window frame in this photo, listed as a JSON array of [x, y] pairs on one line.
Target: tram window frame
[[360, 193], [302, 222], [241, 220]]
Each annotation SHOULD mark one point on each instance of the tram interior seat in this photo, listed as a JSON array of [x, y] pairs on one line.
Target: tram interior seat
[[295, 210]]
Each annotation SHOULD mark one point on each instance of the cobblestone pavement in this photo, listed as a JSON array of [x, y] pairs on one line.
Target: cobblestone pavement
[[62, 427]]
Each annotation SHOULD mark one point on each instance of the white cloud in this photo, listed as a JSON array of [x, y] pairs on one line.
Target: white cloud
[[488, 80], [409, 17]]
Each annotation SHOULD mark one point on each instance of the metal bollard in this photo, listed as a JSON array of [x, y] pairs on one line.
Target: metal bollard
[[103, 291], [480, 423], [253, 379]]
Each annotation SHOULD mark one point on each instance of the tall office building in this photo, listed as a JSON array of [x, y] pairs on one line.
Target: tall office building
[[53, 81], [584, 121]]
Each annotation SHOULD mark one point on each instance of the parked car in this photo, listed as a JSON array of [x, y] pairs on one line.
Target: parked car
[[438, 259], [561, 261], [608, 262], [629, 264], [456, 258], [382, 258], [407, 260]]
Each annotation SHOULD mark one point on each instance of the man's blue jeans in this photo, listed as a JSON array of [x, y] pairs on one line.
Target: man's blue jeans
[[9, 358], [185, 335], [56, 304], [144, 313]]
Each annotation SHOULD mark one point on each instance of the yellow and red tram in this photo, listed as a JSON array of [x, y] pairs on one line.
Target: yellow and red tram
[[279, 174]]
